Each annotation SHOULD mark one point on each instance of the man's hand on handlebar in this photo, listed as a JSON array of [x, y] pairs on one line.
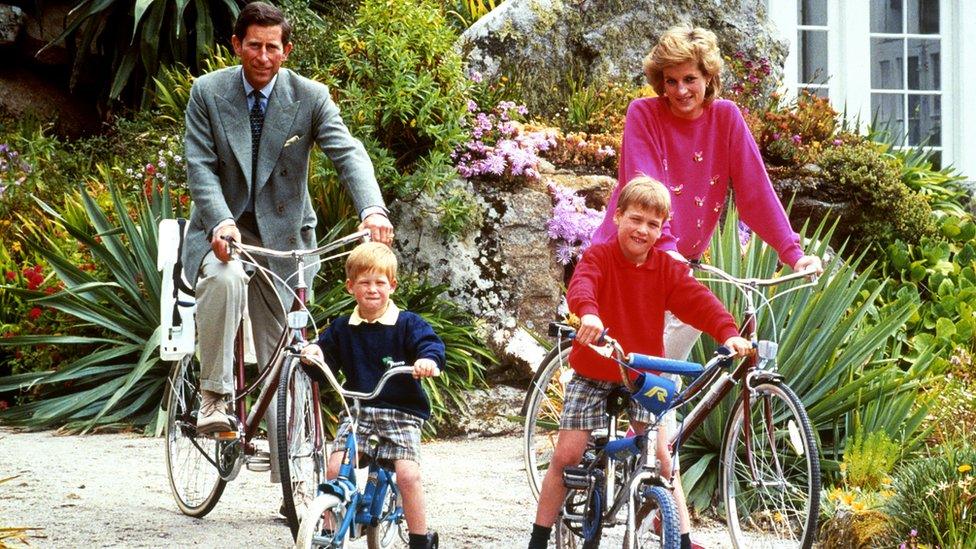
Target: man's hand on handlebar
[[219, 244], [312, 354], [380, 228], [739, 345], [425, 367]]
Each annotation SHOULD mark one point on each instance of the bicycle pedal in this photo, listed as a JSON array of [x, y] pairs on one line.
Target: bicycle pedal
[[576, 478], [260, 462]]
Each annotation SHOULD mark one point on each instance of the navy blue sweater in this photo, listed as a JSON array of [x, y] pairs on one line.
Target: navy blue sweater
[[359, 351]]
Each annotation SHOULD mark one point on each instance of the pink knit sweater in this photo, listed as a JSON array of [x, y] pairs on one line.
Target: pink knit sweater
[[696, 160]]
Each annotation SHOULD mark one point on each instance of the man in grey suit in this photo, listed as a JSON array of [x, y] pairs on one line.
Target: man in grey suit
[[249, 133]]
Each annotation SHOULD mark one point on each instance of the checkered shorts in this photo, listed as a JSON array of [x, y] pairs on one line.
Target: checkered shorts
[[585, 405], [398, 433]]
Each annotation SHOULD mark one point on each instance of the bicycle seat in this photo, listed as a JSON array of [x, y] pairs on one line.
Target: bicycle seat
[[658, 364]]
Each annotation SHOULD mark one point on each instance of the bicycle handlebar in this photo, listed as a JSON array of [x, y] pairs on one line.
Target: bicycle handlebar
[[339, 242], [756, 282], [396, 368]]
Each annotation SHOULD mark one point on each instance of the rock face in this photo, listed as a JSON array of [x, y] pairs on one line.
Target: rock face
[[504, 271], [490, 413], [11, 21], [543, 43]]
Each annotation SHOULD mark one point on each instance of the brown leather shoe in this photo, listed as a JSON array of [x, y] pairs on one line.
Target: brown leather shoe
[[212, 417]]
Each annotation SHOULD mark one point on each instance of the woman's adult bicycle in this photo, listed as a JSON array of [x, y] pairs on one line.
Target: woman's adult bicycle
[[770, 468], [199, 466], [341, 512]]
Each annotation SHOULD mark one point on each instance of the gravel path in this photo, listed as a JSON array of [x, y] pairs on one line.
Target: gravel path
[[112, 491]]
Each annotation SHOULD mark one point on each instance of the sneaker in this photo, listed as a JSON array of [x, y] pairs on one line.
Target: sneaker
[[431, 541], [213, 413]]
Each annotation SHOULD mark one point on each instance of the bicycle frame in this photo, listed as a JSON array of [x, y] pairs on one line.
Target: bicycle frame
[[367, 506], [748, 369], [294, 332]]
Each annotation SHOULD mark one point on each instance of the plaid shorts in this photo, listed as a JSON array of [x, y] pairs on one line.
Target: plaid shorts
[[585, 406], [398, 433]]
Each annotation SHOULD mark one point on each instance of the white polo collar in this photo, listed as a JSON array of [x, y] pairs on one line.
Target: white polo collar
[[388, 318]]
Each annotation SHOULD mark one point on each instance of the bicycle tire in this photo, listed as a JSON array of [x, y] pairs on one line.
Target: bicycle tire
[[193, 478], [784, 504], [541, 410], [384, 534], [314, 519], [301, 459], [658, 502]]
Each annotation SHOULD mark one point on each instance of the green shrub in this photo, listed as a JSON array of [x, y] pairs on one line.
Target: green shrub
[[936, 497], [402, 90], [882, 208], [938, 272], [869, 459]]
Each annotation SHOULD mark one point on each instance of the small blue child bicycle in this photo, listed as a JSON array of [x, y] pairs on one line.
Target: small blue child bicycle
[[341, 512]]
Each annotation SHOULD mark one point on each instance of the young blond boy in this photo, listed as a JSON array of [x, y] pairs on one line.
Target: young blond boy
[[358, 344], [625, 285]]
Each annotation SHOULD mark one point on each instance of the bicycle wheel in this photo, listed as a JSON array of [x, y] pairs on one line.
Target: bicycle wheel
[[542, 407], [657, 520], [190, 460], [384, 534], [777, 499], [301, 459], [322, 516]]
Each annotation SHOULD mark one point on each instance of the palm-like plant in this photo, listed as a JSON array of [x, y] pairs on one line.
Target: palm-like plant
[[137, 37], [837, 349], [122, 378]]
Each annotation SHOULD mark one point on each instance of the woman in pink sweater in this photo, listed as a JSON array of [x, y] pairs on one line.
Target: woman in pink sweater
[[697, 145]]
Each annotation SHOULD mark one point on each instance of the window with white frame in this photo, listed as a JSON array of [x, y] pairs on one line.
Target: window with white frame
[[906, 65], [811, 39]]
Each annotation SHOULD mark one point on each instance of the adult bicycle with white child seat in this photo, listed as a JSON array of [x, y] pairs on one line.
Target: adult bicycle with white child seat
[[200, 465], [770, 468]]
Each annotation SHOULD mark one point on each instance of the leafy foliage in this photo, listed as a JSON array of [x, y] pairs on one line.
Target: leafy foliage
[[836, 345], [935, 498], [402, 88], [868, 460], [122, 379], [135, 38], [884, 209]]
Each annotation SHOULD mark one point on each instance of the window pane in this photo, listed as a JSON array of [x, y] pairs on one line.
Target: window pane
[[923, 64], [886, 63], [886, 16], [888, 114], [813, 57], [925, 120], [820, 91], [923, 16], [812, 12]]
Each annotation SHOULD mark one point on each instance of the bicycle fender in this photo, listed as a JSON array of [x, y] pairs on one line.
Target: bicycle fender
[[762, 376]]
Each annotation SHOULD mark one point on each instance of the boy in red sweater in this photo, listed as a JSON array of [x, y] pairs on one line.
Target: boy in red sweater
[[625, 285]]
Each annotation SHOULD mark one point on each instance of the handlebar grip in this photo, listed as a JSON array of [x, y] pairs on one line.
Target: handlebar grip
[[680, 367]]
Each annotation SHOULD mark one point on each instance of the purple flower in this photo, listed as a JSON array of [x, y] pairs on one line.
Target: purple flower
[[476, 77], [776, 136], [913, 533], [472, 106], [797, 139], [838, 142]]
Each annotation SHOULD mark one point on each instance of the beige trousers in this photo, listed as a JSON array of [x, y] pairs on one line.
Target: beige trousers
[[220, 292]]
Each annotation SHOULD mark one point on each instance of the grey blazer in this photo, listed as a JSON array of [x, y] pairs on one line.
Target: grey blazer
[[300, 113]]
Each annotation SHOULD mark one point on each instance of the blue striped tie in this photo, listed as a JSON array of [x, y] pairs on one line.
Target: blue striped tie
[[257, 122]]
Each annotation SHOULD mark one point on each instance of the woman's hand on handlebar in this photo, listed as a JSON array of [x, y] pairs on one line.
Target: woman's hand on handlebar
[[740, 346], [809, 262], [380, 228], [425, 367]]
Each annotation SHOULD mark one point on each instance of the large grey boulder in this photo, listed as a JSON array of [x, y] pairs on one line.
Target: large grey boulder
[[11, 21], [503, 270], [543, 43]]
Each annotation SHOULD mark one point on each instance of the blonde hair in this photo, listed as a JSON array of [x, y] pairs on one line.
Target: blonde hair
[[646, 193], [681, 44], [371, 257]]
